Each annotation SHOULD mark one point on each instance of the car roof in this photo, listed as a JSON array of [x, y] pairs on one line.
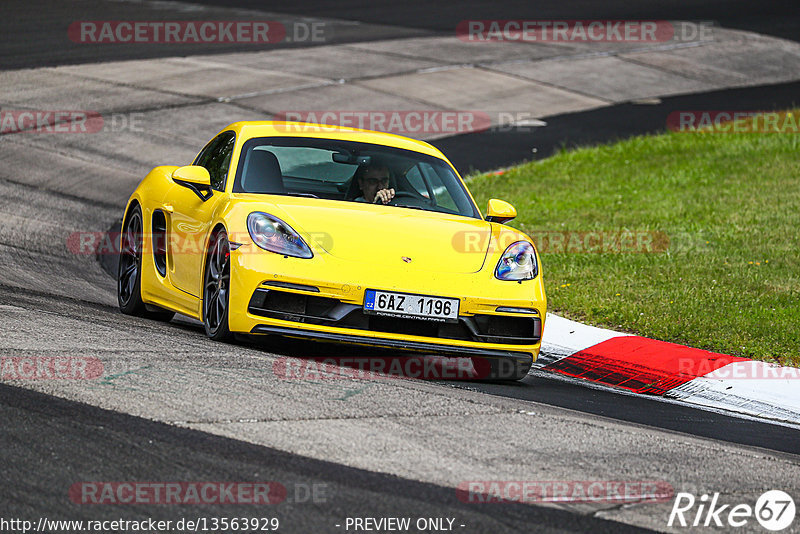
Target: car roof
[[252, 129]]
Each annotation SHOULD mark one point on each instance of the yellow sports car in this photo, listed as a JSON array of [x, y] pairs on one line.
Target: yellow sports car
[[332, 234]]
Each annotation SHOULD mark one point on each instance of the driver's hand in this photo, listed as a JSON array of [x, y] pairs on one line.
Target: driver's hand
[[384, 196]]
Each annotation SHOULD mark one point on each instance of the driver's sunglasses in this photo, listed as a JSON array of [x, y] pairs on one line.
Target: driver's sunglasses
[[376, 181]]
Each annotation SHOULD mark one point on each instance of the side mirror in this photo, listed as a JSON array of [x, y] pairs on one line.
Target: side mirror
[[195, 178], [500, 211]]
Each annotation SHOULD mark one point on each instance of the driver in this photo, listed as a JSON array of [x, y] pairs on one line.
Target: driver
[[373, 180]]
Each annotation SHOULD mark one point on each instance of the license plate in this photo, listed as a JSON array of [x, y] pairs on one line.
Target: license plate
[[410, 306]]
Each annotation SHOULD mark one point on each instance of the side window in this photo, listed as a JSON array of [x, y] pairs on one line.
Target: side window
[[414, 177], [216, 158], [440, 192]]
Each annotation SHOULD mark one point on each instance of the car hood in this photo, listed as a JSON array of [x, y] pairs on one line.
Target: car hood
[[388, 236]]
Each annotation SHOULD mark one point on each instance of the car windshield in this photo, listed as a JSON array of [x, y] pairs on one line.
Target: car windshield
[[330, 169]]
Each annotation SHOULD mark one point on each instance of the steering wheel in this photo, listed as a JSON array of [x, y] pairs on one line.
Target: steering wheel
[[402, 194]]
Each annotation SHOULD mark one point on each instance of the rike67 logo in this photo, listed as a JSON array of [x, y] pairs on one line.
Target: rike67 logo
[[774, 510]]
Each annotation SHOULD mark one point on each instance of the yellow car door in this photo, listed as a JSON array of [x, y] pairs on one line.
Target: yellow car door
[[191, 216]]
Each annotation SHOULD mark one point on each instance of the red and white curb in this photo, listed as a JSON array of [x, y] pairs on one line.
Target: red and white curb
[[667, 370]]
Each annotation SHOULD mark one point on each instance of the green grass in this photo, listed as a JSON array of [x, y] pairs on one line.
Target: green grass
[[729, 280]]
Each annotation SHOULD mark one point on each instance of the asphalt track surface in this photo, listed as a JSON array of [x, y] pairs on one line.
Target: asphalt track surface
[[114, 446], [33, 33], [84, 441]]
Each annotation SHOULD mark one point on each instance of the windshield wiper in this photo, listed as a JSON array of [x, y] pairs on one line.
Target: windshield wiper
[[409, 207], [307, 195]]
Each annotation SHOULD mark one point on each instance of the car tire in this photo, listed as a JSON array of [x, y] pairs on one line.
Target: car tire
[[129, 271], [216, 288]]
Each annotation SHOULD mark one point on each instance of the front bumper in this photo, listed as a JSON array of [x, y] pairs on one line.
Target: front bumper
[[325, 310]]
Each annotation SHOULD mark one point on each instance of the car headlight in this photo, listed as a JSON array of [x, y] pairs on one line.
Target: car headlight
[[271, 233], [517, 263]]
